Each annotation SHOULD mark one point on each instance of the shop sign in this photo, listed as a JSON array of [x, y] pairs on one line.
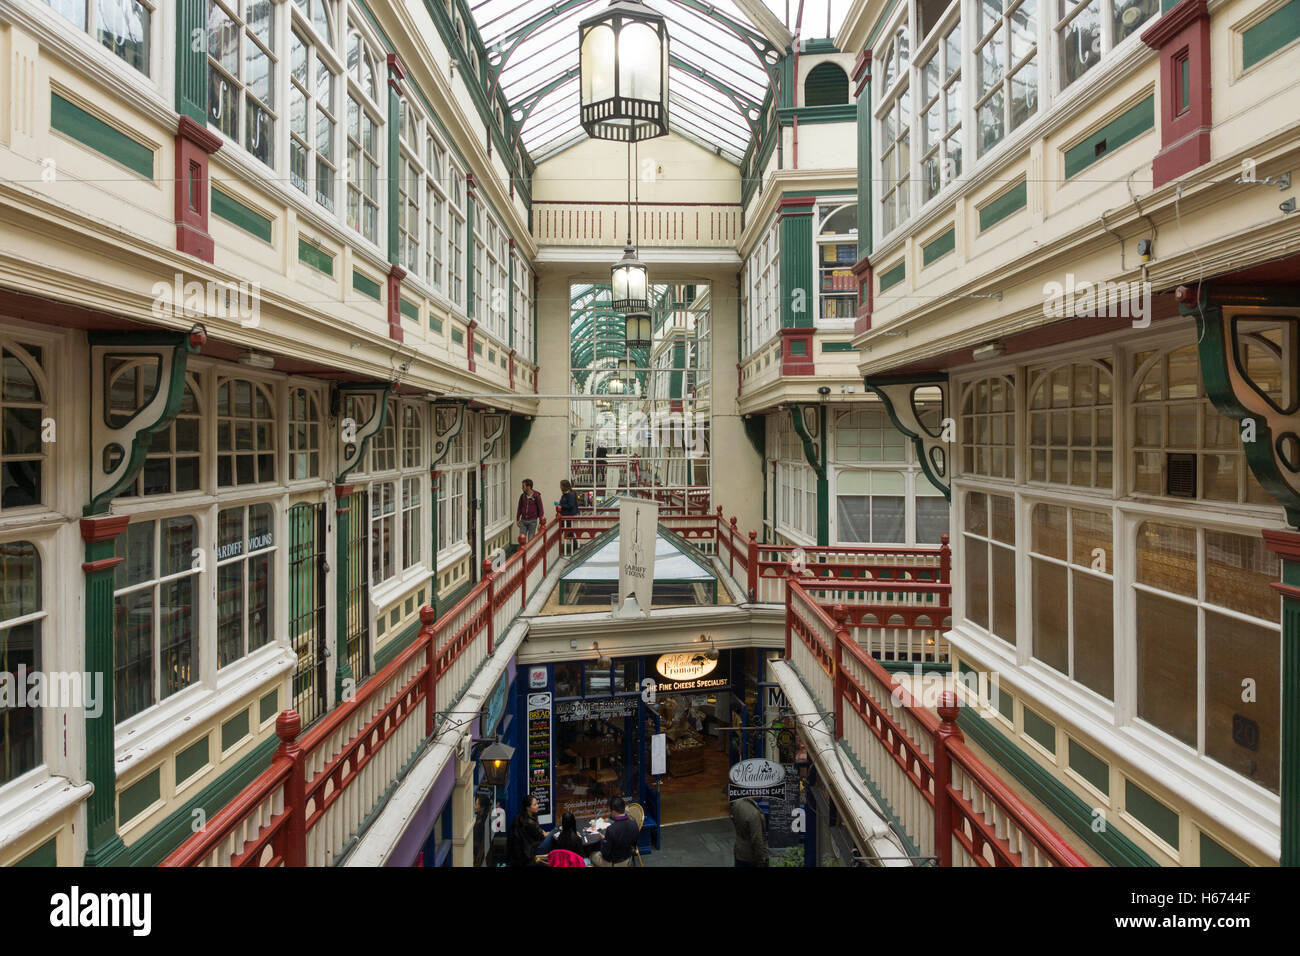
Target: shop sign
[[638, 528], [756, 772], [684, 667], [606, 709], [536, 677], [539, 753]]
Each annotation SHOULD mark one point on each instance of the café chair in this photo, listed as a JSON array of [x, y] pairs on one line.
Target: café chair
[[636, 813]]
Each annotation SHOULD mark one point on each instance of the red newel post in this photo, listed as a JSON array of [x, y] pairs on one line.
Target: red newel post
[[541, 529], [427, 635], [752, 568], [840, 613], [733, 534], [287, 727], [490, 577], [943, 775], [945, 561]]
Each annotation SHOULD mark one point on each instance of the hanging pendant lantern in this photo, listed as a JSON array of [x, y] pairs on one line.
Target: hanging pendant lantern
[[636, 329], [629, 283], [623, 70]]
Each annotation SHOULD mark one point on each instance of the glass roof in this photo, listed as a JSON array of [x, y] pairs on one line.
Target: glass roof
[[721, 57]]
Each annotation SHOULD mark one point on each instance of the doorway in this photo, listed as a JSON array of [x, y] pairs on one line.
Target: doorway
[[307, 608]]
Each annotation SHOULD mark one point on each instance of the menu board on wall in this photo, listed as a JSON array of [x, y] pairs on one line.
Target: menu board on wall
[[539, 753], [780, 813]]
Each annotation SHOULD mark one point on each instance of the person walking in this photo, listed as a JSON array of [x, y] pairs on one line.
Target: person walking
[[529, 510], [751, 844], [620, 837], [525, 835], [482, 844]]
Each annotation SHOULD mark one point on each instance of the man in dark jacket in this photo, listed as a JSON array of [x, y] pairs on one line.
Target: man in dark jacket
[[525, 835], [751, 844], [529, 510], [620, 837]]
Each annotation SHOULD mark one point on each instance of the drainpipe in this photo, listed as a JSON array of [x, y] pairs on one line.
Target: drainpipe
[[794, 93]]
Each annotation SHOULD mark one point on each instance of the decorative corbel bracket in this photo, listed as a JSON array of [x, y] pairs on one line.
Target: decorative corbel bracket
[[126, 446], [1222, 314], [808, 422], [899, 398], [351, 452], [494, 426], [448, 420]]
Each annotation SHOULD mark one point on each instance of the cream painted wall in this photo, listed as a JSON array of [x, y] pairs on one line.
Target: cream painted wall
[[671, 169]]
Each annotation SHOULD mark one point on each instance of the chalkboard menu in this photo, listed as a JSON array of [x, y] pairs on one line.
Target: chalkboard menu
[[539, 753], [781, 806]]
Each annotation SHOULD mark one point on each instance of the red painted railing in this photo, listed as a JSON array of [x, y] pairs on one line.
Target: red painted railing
[[313, 800], [953, 807]]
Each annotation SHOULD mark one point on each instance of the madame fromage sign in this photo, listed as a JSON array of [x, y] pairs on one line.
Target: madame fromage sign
[[689, 670]]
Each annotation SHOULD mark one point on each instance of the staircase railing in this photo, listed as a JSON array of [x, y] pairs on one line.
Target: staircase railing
[[952, 806], [314, 799]]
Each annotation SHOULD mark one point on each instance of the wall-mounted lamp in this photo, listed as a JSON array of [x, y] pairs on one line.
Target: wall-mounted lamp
[[601, 660], [1144, 249], [712, 653]]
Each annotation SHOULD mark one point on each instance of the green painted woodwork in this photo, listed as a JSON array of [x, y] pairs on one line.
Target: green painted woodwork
[[1212, 854], [1151, 813], [318, 259], [816, 115], [386, 654], [838, 347], [520, 427], [172, 349], [798, 347], [151, 848], [141, 795], [478, 348], [796, 268], [410, 310], [435, 324], [47, 854], [1271, 34], [1185, 82], [234, 730], [939, 247], [898, 395], [227, 207], [269, 705], [1006, 705], [1088, 765], [103, 845], [343, 514], [1115, 848], [1229, 388], [892, 277], [1039, 730], [814, 450], [365, 285], [89, 130], [193, 759], [1129, 125], [1167, 5], [1010, 201], [191, 60]]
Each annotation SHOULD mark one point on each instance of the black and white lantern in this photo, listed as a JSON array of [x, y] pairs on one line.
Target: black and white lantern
[[629, 283], [636, 329], [623, 68]]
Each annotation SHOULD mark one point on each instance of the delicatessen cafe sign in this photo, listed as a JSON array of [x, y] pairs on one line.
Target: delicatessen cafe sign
[[690, 670]]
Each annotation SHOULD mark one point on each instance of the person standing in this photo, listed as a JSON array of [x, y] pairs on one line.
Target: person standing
[[751, 844], [529, 511], [568, 500], [481, 842], [525, 835], [620, 837]]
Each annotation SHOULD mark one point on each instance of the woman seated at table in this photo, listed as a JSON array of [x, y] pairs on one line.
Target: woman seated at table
[[564, 837]]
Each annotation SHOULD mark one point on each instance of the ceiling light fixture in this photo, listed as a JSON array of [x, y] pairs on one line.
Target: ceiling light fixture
[[988, 350], [252, 359]]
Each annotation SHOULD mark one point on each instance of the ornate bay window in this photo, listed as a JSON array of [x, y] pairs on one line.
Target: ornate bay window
[[304, 434], [456, 237], [435, 210], [241, 73], [410, 188], [989, 541], [836, 250], [895, 123], [523, 293], [398, 474], [246, 439], [363, 126], [313, 100], [123, 26], [1089, 29], [1070, 423], [23, 413], [988, 428], [941, 109], [762, 284], [452, 472], [246, 552], [1006, 94]]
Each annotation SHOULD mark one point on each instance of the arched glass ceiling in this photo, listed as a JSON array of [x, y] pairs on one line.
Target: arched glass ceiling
[[719, 73]]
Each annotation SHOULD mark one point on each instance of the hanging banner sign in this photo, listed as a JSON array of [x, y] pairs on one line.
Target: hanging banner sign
[[638, 526], [539, 753]]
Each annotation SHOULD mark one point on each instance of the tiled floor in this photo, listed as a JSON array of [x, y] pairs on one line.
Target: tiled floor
[[708, 843]]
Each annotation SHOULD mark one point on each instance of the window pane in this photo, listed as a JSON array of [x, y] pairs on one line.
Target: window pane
[[1004, 593], [977, 582], [1051, 625], [1166, 665], [1094, 634], [1241, 733], [1166, 557]]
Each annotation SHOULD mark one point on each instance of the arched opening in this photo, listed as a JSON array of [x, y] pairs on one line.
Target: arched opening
[[826, 85]]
